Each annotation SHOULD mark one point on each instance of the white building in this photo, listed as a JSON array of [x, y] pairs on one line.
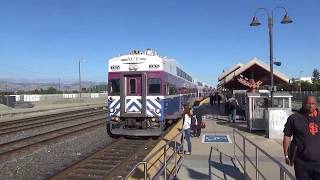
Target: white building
[[308, 79]]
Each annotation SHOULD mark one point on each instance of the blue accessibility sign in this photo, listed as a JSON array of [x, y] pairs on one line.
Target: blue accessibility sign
[[214, 138]]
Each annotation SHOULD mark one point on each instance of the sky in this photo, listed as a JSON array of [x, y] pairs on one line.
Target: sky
[[45, 39]]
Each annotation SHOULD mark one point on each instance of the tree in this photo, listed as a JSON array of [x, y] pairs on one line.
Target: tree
[[307, 86], [98, 88], [284, 87], [51, 90], [316, 76]]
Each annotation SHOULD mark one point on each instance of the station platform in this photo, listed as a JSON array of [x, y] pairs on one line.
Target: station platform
[[216, 160]]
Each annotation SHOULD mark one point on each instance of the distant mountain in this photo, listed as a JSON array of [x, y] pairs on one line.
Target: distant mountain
[[28, 85]]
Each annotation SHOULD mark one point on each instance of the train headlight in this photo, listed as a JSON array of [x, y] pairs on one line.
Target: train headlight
[[111, 110], [116, 119], [110, 99], [158, 110]]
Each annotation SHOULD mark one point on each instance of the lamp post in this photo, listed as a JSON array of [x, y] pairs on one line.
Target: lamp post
[[255, 22], [300, 81]]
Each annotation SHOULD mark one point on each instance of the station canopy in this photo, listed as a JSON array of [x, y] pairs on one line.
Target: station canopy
[[252, 75]]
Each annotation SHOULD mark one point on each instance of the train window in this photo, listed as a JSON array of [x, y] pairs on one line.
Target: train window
[[172, 90], [132, 86], [114, 87], [154, 86]]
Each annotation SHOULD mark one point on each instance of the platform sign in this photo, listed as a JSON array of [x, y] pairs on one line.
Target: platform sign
[[216, 138]]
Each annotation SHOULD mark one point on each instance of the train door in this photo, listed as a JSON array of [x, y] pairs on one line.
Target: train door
[[133, 98], [133, 94]]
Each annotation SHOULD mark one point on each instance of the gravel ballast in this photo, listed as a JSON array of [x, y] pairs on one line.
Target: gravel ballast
[[46, 161]]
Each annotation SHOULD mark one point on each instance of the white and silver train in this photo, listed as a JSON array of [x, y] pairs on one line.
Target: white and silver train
[[145, 91]]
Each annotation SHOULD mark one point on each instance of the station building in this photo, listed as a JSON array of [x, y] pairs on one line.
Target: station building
[[253, 75]]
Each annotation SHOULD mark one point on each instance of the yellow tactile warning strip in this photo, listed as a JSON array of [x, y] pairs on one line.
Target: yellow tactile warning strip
[[154, 163]]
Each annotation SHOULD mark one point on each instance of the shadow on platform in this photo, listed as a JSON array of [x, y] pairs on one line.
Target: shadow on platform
[[223, 166], [193, 174]]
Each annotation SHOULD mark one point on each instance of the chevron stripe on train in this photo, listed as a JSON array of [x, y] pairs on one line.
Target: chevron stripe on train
[[133, 105], [152, 105], [115, 105]]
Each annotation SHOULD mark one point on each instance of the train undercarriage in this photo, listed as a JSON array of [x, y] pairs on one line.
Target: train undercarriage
[[135, 127]]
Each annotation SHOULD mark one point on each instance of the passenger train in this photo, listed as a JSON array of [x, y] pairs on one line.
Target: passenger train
[[145, 91]]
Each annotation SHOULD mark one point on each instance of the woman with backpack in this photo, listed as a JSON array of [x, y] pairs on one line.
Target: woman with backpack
[[187, 124]]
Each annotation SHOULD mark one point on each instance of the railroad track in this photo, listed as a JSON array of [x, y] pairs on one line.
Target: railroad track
[[30, 144], [47, 116], [112, 162], [7, 128]]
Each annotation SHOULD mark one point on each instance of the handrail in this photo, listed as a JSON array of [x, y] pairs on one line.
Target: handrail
[[163, 170], [167, 143], [145, 164], [284, 172]]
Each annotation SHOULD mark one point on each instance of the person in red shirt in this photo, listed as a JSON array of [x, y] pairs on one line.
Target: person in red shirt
[[304, 127]]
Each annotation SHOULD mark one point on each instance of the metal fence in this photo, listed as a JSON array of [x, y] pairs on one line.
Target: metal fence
[[299, 96], [169, 155], [245, 160], [55, 97]]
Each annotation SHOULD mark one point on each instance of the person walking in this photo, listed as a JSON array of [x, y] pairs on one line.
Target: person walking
[[214, 98], [198, 115], [218, 99], [304, 148], [233, 104], [187, 124], [211, 99], [226, 105]]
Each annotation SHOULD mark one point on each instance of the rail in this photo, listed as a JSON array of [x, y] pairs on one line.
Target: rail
[[284, 173], [176, 147]]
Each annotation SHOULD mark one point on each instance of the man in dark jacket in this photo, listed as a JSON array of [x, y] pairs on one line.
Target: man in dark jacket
[[304, 127], [233, 104], [197, 112], [211, 99]]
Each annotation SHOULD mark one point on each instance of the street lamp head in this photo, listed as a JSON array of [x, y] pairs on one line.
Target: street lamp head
[[286, 19], [255, 21]]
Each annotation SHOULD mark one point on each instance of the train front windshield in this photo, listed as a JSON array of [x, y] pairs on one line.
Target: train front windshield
[[114, 87], [154, 86]]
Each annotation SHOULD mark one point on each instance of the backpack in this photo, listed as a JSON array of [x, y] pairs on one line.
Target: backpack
[[203, 125], [233, 104], [194, 120]]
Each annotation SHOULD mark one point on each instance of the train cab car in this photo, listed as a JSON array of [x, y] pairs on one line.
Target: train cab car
[[145, 91]]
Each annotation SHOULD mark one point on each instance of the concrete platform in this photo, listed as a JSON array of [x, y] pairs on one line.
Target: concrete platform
[[155, 159], [219, 163]]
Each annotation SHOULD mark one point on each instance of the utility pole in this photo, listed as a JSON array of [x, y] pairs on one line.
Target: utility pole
[[300, 81], [59, 85], [80, 79], [6, 86]]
